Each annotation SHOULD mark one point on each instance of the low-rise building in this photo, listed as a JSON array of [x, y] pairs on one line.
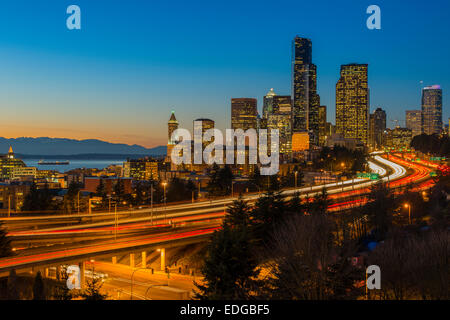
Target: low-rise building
[[24, 172], [91, 184], [398, 138], [12, 195], [141, 169]]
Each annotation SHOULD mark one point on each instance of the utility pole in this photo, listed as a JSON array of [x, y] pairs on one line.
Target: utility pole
[[78, 197], [232, 188], [115, 222], [296, 172], [151, 202]]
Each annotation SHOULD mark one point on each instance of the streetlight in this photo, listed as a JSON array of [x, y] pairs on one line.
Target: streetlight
[[131, 280], [116, 221], [152, 286], [408, 206], [232, 182], [165, 209], [296, 173], [78, 196], [151, 202]]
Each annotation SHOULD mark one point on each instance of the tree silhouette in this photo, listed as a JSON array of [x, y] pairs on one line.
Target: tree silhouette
[[38, 287]]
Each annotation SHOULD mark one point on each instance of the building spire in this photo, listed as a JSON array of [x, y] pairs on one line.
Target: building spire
[[173, 118], [10, 152]]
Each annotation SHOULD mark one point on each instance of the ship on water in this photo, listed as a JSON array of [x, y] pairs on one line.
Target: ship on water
[[47, 163]]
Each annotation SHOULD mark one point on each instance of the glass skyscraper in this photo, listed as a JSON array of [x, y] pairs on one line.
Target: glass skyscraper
[[352, 102], [432, 110], [243, 113], [377, 126], [306, 101], [414, 121]]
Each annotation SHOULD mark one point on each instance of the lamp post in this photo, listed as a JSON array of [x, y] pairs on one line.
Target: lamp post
[[232, 182], [152, 286], [165, 209], [151, 202], [78, 197], [116, 222], [131, 280], [408, 206]]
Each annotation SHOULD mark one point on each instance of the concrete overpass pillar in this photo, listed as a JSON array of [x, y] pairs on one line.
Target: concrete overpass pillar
[[163, 259], [144, 259], [114, 260], [132, 264], [82, 266]]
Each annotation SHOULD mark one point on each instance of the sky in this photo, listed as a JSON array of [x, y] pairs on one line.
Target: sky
[[118, 78]]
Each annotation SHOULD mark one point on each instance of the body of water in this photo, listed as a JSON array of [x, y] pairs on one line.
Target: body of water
[[74, 164]]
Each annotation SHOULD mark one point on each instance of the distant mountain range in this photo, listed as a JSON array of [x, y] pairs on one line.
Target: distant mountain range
[[63, 147]]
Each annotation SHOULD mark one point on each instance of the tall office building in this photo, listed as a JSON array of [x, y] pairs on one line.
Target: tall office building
[[322, 125], [377, 126], [281, 119], [432, 110], [414, 122], [352, 102], [268, 103], [306, 101], [202, 125], [282, 105], [244, 113]]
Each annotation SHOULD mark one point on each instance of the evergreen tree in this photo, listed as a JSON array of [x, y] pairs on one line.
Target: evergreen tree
[[119, 190], [268, 211], [31, 201], [230, 267], [238, 214], [13, 292], [380, 209], [319, 204], [38, 287], [92, 291], [220, 180], [101, 192], [5, 243]]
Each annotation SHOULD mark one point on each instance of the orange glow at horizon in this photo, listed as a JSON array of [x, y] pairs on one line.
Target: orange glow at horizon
[[113, 135]]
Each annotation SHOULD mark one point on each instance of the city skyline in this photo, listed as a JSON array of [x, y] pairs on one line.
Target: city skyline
[[136, 88]]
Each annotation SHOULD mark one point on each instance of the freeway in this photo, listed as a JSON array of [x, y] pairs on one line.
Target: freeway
[[179, 213], [186, 222]]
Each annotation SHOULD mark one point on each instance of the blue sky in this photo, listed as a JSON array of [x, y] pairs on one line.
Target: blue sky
[[133, 61]]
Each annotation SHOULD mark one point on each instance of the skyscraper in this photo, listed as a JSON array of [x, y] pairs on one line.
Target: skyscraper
[[243, 113], [352, 102], [202, 125], [377, 126], [268, 103], [282, 104], [280, 119], [414, 121], [306, 101], [322, 125], [432, 110]]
